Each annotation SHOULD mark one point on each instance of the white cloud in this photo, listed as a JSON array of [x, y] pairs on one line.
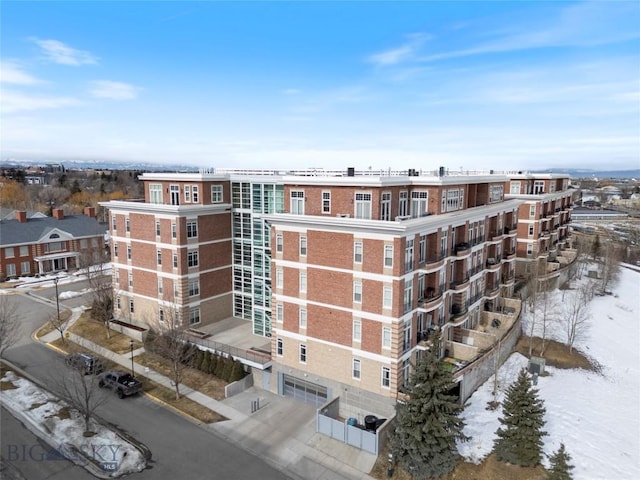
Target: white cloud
[[13, 73], [12, 102], [114, 90], [58, 52], [402, 53]]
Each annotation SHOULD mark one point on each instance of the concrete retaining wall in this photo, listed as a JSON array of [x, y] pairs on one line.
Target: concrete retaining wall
[[238, 386]]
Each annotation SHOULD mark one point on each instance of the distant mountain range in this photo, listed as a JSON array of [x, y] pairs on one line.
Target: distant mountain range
[[588, 173], [157, 167]]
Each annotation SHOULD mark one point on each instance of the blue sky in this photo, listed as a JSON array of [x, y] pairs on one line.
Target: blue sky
[[501, 85]]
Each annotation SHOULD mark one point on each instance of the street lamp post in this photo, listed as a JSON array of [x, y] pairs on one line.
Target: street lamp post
[[55, 281], [131, 347]]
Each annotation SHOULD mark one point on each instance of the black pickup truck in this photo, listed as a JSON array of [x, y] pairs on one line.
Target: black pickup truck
[[120, 382]]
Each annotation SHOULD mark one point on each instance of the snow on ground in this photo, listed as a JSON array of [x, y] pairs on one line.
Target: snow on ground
[[596, 416], [71, 294], [38, 408]]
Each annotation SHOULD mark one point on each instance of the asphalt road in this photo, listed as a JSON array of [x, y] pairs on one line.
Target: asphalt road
[[180, 448]]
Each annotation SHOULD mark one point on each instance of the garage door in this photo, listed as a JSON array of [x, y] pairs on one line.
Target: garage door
[[306, 391]]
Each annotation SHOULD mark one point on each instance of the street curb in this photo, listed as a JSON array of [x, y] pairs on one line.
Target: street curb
[[191, 418], [89, 462]]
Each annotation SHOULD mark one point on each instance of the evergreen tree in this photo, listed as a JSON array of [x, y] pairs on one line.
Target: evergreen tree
[[237, 372], [206, 359], [214, 363], [228, 366], [520, 441], [560, 468], [427, 424]]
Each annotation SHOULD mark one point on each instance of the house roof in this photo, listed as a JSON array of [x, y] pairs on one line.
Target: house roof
[[12, 232], [10, 213]]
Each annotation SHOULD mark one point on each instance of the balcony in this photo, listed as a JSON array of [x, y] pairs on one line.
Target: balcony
[[477, 240], [459, 284], [436, 258], [495, 237], [493, 264], [459, 309], [508, 278], [462, 249], [432, 297], [509, 255], [510, 232], [546, 233]]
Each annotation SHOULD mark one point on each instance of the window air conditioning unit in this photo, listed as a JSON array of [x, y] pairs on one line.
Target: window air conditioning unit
[[402, 217]]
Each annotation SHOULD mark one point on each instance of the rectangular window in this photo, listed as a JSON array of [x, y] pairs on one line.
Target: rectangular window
[[531, 228], [419, 204], [131, 307], [423, 249], [187, 194], [192, 258], [385, 206], [357, 292], [279, 313], [196, 193], [303, 281], [303, 353], [161, 315], [192, 229], [532, 211], [155, 194], [115, 250], [356, 369], [403, 204], [297, 202], [25, 267], [174, 230], [159, 256], [117, 275], [160, 286], [84, 243], [387, 296], [408, 255], [114, 223], [194, 287], [408, 295], [24, 251], [194, 316], [363, 205], [357, 252], [216, 193], [175, 260], [386, 377], [303, 246], [386, 337], [128, 252], [496, 194], [130, 279], [279, 347], [326, 202], [11, 270], [157, 228], [118, 303], [279, 242], [388, 255], [515, 188], [357, 330], [302, 318], [538, 187], [127, 225], [529, 249], [279, 278]]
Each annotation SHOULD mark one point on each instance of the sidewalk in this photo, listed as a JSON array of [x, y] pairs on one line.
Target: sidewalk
[[282, 431]]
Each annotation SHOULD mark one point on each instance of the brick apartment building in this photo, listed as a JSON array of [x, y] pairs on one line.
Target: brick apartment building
[[347, 272], [543, 221], [40, 244]]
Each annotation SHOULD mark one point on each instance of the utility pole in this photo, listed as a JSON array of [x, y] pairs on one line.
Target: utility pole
[[131, 347], [55, 281]]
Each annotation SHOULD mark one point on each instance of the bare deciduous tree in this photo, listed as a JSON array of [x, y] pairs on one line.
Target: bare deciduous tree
[[609, 267], [533, 287], [94, 263], [576, 315], [9, 323], [171, 341], [548, 314], [82, 392]]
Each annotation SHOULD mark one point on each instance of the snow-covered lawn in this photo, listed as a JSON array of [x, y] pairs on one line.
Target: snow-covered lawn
[[596, 416], [106, 453]]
